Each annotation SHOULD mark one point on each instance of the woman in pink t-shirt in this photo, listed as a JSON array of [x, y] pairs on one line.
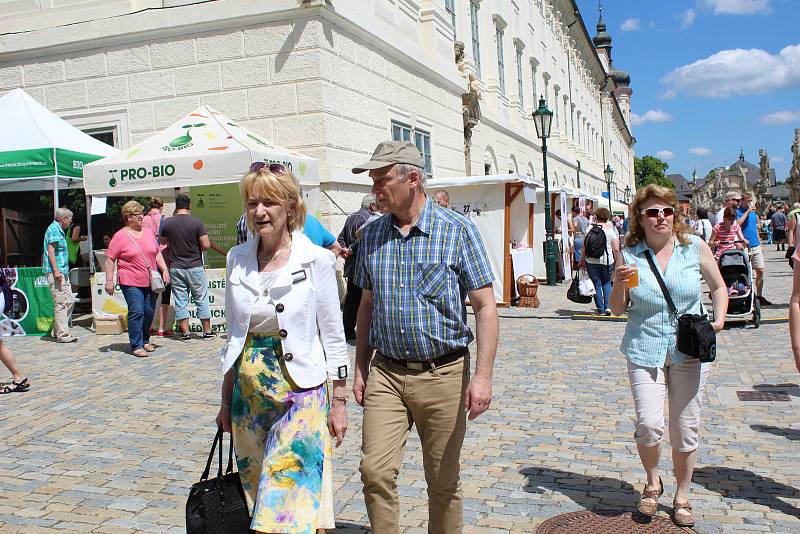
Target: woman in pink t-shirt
[[135, 253], [725, 234]]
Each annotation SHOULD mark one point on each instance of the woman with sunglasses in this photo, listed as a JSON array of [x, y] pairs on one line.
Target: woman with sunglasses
[[285, 340], [656, 369], [135, 253]]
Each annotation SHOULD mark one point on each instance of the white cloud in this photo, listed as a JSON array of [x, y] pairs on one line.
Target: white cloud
[[631, 25], [654, 115], [665, 154], [687, 17], [780, 117], [777, 159], [737, 7], [736, 72], [699, 151]]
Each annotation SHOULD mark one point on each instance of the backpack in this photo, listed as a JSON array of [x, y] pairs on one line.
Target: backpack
[[595, 242]]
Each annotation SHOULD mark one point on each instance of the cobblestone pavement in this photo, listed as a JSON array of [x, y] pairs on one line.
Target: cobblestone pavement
[[105, 442]]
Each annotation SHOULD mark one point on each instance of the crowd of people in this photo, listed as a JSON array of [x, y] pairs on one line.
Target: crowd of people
[[410, 263]]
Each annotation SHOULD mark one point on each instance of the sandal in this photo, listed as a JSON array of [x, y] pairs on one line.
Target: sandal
[[140, 353], [16, 387], [149, 347], [648, 502], [685, 517]]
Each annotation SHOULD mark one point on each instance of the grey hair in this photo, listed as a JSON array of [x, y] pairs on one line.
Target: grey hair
[[62, 213], [367, 200], [406, 168]]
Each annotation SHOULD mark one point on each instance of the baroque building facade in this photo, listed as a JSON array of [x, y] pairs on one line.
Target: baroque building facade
[[333, 78]]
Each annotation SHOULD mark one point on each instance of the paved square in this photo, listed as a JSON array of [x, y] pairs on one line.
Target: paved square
[[105, 442]]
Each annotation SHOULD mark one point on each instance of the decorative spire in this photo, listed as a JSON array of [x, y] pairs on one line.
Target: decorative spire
[[741, 154], [603, 38]]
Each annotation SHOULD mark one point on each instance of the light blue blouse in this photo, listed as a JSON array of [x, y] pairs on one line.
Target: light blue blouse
[[650, 334]]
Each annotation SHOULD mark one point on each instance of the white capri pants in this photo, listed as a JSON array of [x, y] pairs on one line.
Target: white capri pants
[[684, 383]]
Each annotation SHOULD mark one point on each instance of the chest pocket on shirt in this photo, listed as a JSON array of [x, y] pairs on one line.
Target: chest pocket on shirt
[[433, 280]]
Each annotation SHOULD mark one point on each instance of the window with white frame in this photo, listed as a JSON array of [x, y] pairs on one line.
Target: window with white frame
[[450, 7], [520, 87], [420, 138], [476, 43], [501, 76], [533, 86]]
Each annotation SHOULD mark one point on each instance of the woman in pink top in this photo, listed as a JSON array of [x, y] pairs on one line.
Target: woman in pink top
[[135, 253], [152, 223], [725, 234]]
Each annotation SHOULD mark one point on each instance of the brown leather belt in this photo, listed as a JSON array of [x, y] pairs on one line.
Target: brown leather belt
[[427, 365]]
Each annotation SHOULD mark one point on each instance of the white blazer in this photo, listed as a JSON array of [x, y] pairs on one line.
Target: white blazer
[[307, 301]]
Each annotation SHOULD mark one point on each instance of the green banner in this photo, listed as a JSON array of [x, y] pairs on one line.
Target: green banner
[[70, 164], [31, 311], [219, 207], [27, 163]]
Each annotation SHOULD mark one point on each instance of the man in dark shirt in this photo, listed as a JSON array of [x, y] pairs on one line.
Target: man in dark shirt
[[779, 228], [187, 239], [348, 241]]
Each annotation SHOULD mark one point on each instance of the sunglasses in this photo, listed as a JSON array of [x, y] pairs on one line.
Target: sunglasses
[[275, 168], [658, 212]]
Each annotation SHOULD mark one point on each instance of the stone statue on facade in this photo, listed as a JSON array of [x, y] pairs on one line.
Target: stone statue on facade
[[471, 114], [458, 46], [761, 187], [763, 163]]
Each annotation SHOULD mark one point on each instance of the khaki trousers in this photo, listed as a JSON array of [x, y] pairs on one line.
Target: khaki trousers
[[63, 301], [395, 399]]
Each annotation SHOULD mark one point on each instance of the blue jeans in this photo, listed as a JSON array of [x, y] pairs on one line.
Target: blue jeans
[[601, 278], [577, 244], [189, 280], [141, 307]]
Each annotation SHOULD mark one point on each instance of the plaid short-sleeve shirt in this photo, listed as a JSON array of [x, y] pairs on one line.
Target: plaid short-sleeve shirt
[[55, 234], [415, 280]]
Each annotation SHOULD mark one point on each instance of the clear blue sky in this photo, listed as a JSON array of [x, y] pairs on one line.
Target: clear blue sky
[[709, 77]]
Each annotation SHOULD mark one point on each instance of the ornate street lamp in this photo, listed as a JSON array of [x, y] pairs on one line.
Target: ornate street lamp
[[543, 118], [628, 196], [609, 174]]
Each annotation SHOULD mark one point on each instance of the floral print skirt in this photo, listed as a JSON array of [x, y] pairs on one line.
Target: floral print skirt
[[283, 446]]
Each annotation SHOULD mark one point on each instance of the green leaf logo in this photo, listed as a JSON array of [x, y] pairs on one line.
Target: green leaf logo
[[302, 168], [112, 182]]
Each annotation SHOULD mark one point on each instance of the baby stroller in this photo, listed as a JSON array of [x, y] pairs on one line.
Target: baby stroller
[[742, 305]]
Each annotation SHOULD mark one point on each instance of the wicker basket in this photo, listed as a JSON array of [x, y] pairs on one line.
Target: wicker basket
[[527, 288]]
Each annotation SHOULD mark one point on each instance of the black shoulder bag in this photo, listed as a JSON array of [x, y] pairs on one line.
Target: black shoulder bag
[[695, 336], [217, 506]]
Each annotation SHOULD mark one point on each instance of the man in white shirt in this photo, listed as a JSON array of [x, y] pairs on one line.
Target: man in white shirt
[[732, 200]]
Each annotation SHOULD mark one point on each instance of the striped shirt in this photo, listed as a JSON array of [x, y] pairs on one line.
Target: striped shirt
[[55, 235], [415, 280], [651, 332], [726, 237]]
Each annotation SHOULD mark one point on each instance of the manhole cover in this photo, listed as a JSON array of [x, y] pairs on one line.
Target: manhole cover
[[764, 396], [605, 521]]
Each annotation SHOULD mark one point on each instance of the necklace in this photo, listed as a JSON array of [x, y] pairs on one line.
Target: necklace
[[269, 258]]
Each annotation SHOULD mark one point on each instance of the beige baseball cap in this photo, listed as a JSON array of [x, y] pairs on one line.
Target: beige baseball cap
[[733, 195], [390, 153]]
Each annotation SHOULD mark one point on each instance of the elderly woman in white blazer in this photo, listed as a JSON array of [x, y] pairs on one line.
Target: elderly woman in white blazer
[[285, 341]]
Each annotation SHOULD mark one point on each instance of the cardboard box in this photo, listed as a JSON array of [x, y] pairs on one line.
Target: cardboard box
[[109, 324]]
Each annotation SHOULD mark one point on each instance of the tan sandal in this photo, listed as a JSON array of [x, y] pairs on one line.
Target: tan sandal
[[149, 347], [682, 514], [140, 353], [648, 502]]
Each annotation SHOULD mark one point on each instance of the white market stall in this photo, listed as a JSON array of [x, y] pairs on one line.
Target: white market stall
[[203, 152], [502, 208], [41, 151]]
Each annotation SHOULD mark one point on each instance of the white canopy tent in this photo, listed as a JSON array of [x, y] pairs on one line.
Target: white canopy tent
[[41, 151], [203, 148], [502, 208]]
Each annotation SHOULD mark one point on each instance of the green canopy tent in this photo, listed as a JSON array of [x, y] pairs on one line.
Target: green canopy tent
[[41, 151]]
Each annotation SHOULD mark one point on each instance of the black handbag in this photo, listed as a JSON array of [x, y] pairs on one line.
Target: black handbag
[[217, 506], [789, 253], [695, 336], [574, 292]]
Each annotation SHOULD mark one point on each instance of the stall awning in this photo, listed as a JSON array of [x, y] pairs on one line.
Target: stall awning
[[481, 179]]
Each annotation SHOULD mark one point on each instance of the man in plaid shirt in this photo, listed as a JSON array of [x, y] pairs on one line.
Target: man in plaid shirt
[[56, 265], [412, 360]]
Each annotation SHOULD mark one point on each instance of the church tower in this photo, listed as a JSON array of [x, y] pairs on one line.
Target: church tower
[[621, 79]]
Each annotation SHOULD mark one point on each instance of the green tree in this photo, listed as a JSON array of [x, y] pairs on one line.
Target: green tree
[[651, 170]]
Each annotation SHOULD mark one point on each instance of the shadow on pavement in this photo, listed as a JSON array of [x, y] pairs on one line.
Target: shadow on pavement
[[789, 433], [115, 347], [742, 484], [345, 527], [590, 492]]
